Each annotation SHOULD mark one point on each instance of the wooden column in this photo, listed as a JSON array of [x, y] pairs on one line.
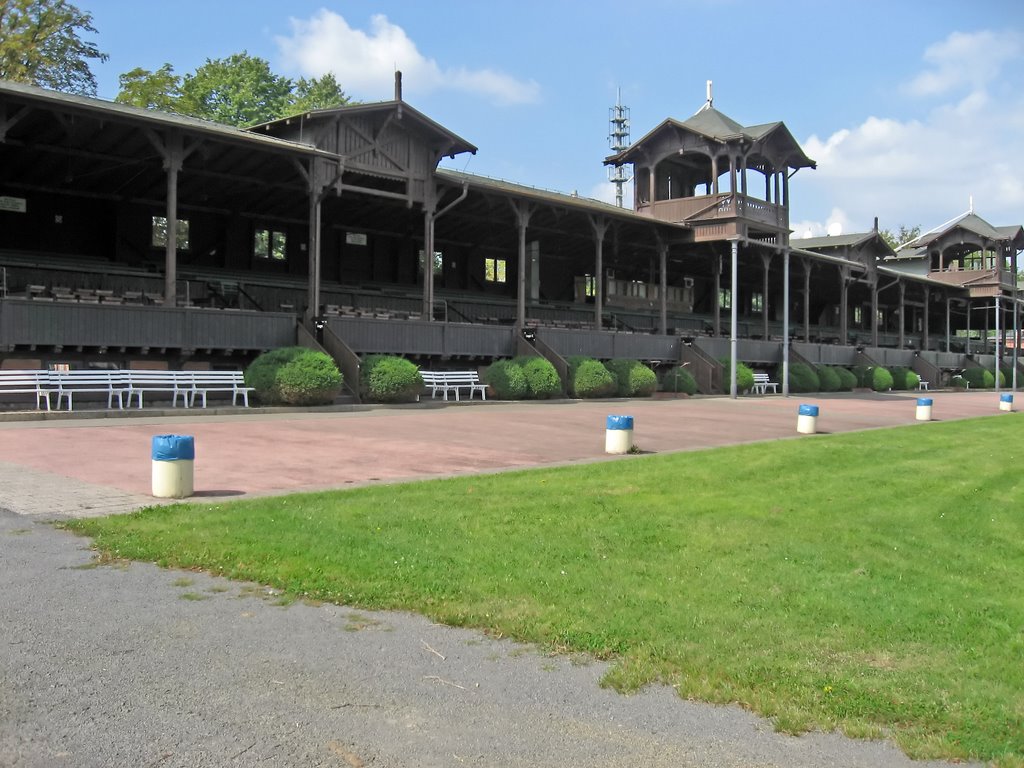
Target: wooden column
[[874, 313], [173, 160], [844, 304], [924, 320], [903, 319], [716, 269], [522, 211], [600, 226], [663, 286], [807, 301], [766, 260]]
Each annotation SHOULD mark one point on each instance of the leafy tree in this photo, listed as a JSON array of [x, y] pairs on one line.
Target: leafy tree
[[151, 90], [316, 93], [240, 90], [40, 44], [901, 235]]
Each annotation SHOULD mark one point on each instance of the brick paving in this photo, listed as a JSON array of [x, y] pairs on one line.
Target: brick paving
[[95, 464]]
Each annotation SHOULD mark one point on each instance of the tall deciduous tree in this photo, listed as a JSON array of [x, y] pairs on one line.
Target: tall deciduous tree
[[151, 90], [41, 44], [901, 235], [240, 90]]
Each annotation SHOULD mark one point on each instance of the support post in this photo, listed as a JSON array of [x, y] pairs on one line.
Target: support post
[[874, 313], [844, 305], [1016, 317], [663, 287], [600, 226], [732, 318], [717, 295], [522, 211], [949, 323], [925, 340], [766, 259], [173, 160], [999, 345], [903, 319], [807, 301], [785, 322]]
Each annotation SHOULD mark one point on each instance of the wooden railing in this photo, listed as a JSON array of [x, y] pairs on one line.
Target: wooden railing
[[720, 206]]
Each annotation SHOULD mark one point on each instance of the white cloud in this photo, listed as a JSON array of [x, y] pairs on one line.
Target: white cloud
[[605, 192], [965, 59], [364, 62], [924, 170], [836, 219]]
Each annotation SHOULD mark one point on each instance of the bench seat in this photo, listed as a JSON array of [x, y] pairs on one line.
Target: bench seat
[[454, 381]]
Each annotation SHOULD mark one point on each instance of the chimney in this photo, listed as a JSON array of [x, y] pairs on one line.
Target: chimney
[[876, 224], [398, 85]]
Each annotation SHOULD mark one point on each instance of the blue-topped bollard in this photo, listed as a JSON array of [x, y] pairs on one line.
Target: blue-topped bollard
[[173, 460], [1006, 402], [807, 419], [618, 435], [924, 409]]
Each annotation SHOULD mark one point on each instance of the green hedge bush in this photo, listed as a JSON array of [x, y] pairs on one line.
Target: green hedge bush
[[958, 382], [389, 379], [590, 378], [678, 379], [904, 378], [294, 376], [979, 378], [847, 381], [542, 382], [633, 378], [828, 379], [507, 379], [802, 378], [744, 376], [863, 375], [881, 379]]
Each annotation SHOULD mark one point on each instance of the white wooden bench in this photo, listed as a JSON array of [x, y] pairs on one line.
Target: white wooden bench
[[175, 382], [203, 382], [453, 381], [22, 382], [762, 382], [65, 384]]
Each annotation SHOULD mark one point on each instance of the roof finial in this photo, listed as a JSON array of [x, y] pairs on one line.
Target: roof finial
[[711, 100], [970, 203]]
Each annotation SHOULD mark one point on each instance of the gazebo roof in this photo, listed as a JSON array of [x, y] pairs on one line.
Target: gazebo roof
[[969, 222]]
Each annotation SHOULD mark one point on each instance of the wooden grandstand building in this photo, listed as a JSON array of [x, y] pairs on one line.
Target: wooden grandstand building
[[338, 228]]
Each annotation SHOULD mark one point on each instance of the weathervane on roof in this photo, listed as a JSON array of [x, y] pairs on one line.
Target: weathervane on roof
[[711, 100]]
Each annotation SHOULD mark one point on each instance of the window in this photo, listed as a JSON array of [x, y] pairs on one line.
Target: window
[[858, 315], [591, 285], [159, 231], [494, 270], [438, 262], [270, 244], [725, 298], [757, 302]]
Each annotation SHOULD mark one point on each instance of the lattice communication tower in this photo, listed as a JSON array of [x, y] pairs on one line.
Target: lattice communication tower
[[618, 140]]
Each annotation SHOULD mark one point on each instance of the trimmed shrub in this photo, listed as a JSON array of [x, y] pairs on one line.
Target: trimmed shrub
[[863, 375], [979, 378], [802, 378], [881, 379], [828, 379], [904, 378], [633, 378], [542, 382], [294, 376], [507, 380], [744, 376], [591, 379], [389, 379], [262, 373], [847, 381], [958, 382], [679, 379]]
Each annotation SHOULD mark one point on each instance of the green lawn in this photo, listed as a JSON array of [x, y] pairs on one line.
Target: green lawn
[[870, 582]]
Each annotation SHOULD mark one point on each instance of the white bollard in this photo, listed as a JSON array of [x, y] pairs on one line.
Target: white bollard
[[173, 465], [618, 435], [924, 409], [807, 419], [1006, 402]]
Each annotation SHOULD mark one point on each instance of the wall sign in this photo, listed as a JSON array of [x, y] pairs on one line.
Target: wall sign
[[13, 204], [355, 238]]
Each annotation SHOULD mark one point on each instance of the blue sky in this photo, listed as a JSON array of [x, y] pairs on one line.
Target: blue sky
[[909, 108]]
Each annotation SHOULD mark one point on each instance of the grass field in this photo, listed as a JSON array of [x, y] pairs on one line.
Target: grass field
[[867, 582]]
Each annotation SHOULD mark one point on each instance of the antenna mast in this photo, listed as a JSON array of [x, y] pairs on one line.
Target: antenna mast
[[618, 140]]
